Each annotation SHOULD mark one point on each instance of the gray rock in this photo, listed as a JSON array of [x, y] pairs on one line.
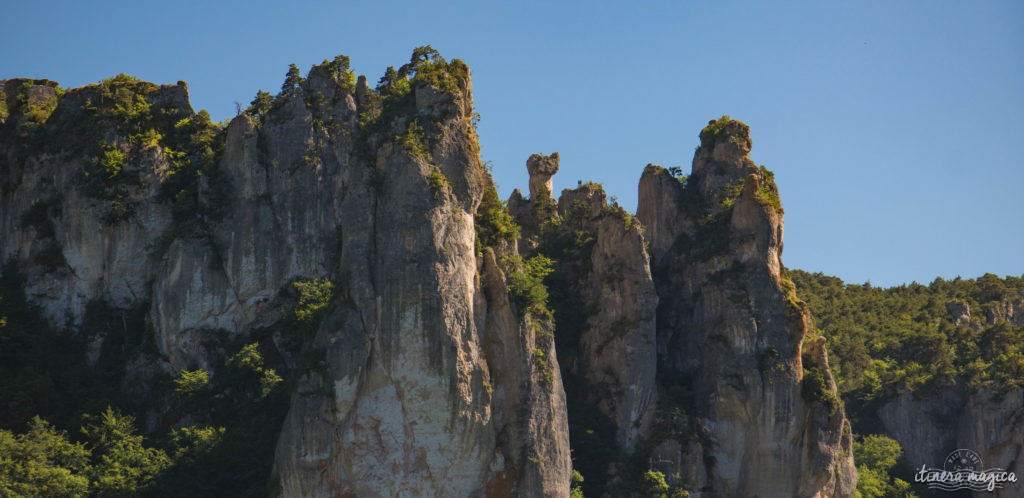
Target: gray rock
[[959, 312], [729, 322], [541, 169], [617, 348], [430, 381]]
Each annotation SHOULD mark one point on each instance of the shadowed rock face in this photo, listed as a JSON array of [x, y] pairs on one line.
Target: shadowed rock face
[[616, 356], [730, 333]]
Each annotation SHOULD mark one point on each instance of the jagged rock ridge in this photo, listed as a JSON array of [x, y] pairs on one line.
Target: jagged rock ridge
[[426, 376], [421, 379]]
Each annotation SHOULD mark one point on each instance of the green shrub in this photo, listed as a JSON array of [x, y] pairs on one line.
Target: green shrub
[[677, 173], [526, 285], [4, 112], [292, 81], [493, 222], [766, 194], [260, 106], [438, 182], [877, 458], [732, 191], [247, 367], [190, 442], [341, 74], [42, 462], [314, 295], [191, 382], [122, 465], [713, 131], [576, 484], [543, 366], [414, 142], [427, 67], [111, 163], [814, 388], [121, 78]]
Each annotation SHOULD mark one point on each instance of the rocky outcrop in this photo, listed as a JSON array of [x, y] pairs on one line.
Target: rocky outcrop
[[56, 227], [424, 375], [1009, 309], [422, 379], [541, 169], [615, 358], [959, 312], [931, 427], [759, 407]]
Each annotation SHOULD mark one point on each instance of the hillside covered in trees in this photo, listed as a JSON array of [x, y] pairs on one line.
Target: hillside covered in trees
[[962, 336]]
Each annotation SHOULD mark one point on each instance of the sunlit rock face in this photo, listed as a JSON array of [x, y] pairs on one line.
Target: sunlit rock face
[[426, 376], [422, 379], [730, 335]]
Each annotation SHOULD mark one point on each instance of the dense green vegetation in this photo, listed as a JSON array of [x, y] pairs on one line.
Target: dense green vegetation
[[68, 429], [879, 460], [526, 284], [713, 131], [883, 339], [394, 97], [494, 225]]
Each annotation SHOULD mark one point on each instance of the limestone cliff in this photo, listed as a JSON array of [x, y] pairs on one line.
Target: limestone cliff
[[421, 379], [752, 410], [435, 360]]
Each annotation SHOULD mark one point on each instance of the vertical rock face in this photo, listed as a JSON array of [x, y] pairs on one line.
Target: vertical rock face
[[409, 404], [931, 427], [55, 226], [612, 354], [750, 400], [426, 375], [423, 379]]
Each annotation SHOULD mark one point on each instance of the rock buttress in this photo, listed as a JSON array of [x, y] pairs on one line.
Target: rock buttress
[[429, 382], [747, 410]]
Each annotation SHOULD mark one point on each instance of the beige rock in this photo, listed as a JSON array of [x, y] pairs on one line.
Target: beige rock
[[541, 169]]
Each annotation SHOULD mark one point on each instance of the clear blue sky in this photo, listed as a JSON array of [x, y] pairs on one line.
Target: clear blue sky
[[894, 128]]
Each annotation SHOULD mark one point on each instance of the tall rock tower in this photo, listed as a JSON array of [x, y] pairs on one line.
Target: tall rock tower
[[758, 413]]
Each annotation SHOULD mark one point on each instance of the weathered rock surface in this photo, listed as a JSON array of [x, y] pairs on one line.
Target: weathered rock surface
[[617, 355], [730, 333], [541, 169], [425, 379], [931, 427], [424, 376], [1009, 309]]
